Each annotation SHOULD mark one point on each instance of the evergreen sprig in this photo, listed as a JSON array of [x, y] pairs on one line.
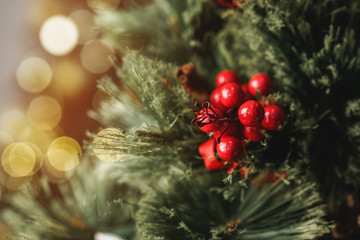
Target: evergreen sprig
[[90, 202], [186, 207]]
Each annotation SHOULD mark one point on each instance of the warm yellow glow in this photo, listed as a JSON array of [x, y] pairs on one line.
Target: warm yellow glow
[[38, 156], [95, 56], [5, 140], [69, 77], [13, 121], [40, 138], [103, 4], [86, 25], [13, 183], [64, 153], [34, 74], [59, 35], [44, 113], [18, 160]]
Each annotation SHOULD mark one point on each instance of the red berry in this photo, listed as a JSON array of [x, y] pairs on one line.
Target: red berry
[[215, 100], [229, 3], [245, 89], [253, 133], [231, 95], [229, 129], [244, 172], [274, 117], [207, 151], [260, 82], [232, 166], [226, 76], [251, 113], [230, 148], [207, 120]]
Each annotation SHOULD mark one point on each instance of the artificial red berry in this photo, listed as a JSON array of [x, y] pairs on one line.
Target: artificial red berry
[[260, 82], [207, 151], [253, 133], [244, 172], [207, 118], [251, 113], [230, 148], [229, 3], [232, 166], [226, 76], [231, 95], [245, 89], [229, 129], [273, 118], [215, 100]]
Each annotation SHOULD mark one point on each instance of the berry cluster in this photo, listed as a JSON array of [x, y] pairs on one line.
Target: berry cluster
[[235, 116]]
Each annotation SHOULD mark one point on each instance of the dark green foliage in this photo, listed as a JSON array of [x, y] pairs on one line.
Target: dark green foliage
[[186, 207], [90, 202]]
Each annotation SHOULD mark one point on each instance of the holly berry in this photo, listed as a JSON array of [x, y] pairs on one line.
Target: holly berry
[[232, 166], [251, 113], [226, 76], [207, 151], [231, 95], [207, 118], [229, 3], [253, 133], [229, 129], [274, 116], [230, 148], [245, 89], [260, 82], [215, 100]]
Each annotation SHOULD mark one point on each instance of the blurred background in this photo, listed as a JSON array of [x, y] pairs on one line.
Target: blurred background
[[52, 57]]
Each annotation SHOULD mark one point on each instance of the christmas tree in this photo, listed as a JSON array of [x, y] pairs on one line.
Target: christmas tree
[[224, 120]]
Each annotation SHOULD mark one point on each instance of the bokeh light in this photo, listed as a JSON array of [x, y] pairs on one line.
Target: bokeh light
[[13, 121], [5, 140], [95, 56], [84, 20], [103, 4], [42, 139], [13, 183], [69, 77], [44, 113], [34, 74], [59, 35], [18, 160], [64, 153]]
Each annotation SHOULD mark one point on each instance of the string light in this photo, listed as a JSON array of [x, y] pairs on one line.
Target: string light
[[59, 35], [34, 74], [86, 25], [18, 160], [44, 113], [64, 153], [95, 56]]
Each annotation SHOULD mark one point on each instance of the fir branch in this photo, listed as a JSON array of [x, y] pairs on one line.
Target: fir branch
[[73, 210], [167, 102], [266, 211]]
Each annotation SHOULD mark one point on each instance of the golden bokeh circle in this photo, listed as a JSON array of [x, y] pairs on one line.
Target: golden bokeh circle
[[33, 74], [64, 153], [95, 56], [44, 113], [59, 35], [18, 160], [85, 22]]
